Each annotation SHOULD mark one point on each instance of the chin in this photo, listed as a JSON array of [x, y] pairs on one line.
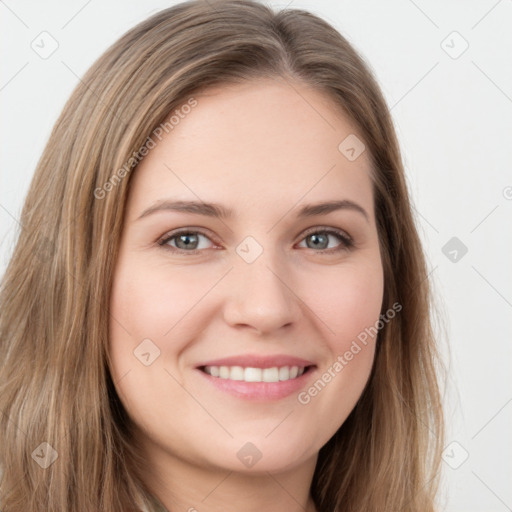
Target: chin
[[261, 455]]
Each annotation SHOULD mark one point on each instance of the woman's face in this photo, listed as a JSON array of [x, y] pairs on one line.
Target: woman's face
[[211, 329]]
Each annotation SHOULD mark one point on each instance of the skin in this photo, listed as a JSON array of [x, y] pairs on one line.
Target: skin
[[264, 149]]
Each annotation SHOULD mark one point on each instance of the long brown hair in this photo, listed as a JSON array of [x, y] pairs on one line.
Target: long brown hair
[[57, 400]]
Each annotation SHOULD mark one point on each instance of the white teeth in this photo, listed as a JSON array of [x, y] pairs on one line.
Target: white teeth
[[270, 375], [236, 373], [284, 373], [252, 375], [274, 374]]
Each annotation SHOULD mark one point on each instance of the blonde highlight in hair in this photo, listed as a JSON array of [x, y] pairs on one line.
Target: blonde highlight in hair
[[55, 383]]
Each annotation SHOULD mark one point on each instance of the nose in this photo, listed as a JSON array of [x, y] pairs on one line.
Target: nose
[[261, 296]]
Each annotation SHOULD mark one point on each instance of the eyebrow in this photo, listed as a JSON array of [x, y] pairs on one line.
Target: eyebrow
[[218, 211]]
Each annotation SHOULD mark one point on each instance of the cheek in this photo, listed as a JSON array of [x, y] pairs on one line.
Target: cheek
[[147, 311], [142, 309], [349, 302], [349, 308], [154, 317], [146, 303]]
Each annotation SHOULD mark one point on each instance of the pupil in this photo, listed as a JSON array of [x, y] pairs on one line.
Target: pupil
[[317, 238], [186, 239]]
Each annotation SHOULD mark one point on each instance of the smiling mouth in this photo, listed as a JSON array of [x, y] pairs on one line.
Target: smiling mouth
[[251, 374]]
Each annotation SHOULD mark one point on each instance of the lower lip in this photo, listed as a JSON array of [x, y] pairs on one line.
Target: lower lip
[[263, 391]]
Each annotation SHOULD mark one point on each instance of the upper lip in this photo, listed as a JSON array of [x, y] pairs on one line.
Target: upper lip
[[258, 361]]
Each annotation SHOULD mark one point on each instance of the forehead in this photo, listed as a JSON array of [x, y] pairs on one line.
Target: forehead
[[265, 142]]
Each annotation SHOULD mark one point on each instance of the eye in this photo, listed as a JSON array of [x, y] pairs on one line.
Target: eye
[[186, 241], [320, 240], [190, 241]]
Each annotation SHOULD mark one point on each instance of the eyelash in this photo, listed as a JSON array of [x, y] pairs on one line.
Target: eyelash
[[347, 242]]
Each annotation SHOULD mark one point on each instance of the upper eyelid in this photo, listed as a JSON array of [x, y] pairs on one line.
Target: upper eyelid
[[315, 229]]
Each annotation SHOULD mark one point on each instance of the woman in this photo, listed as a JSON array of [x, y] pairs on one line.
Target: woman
[[174, 334]]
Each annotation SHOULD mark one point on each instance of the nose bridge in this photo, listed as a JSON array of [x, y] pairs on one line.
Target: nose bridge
[[262, 295]]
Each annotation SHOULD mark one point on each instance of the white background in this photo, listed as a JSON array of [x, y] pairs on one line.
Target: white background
[[454, 122]]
